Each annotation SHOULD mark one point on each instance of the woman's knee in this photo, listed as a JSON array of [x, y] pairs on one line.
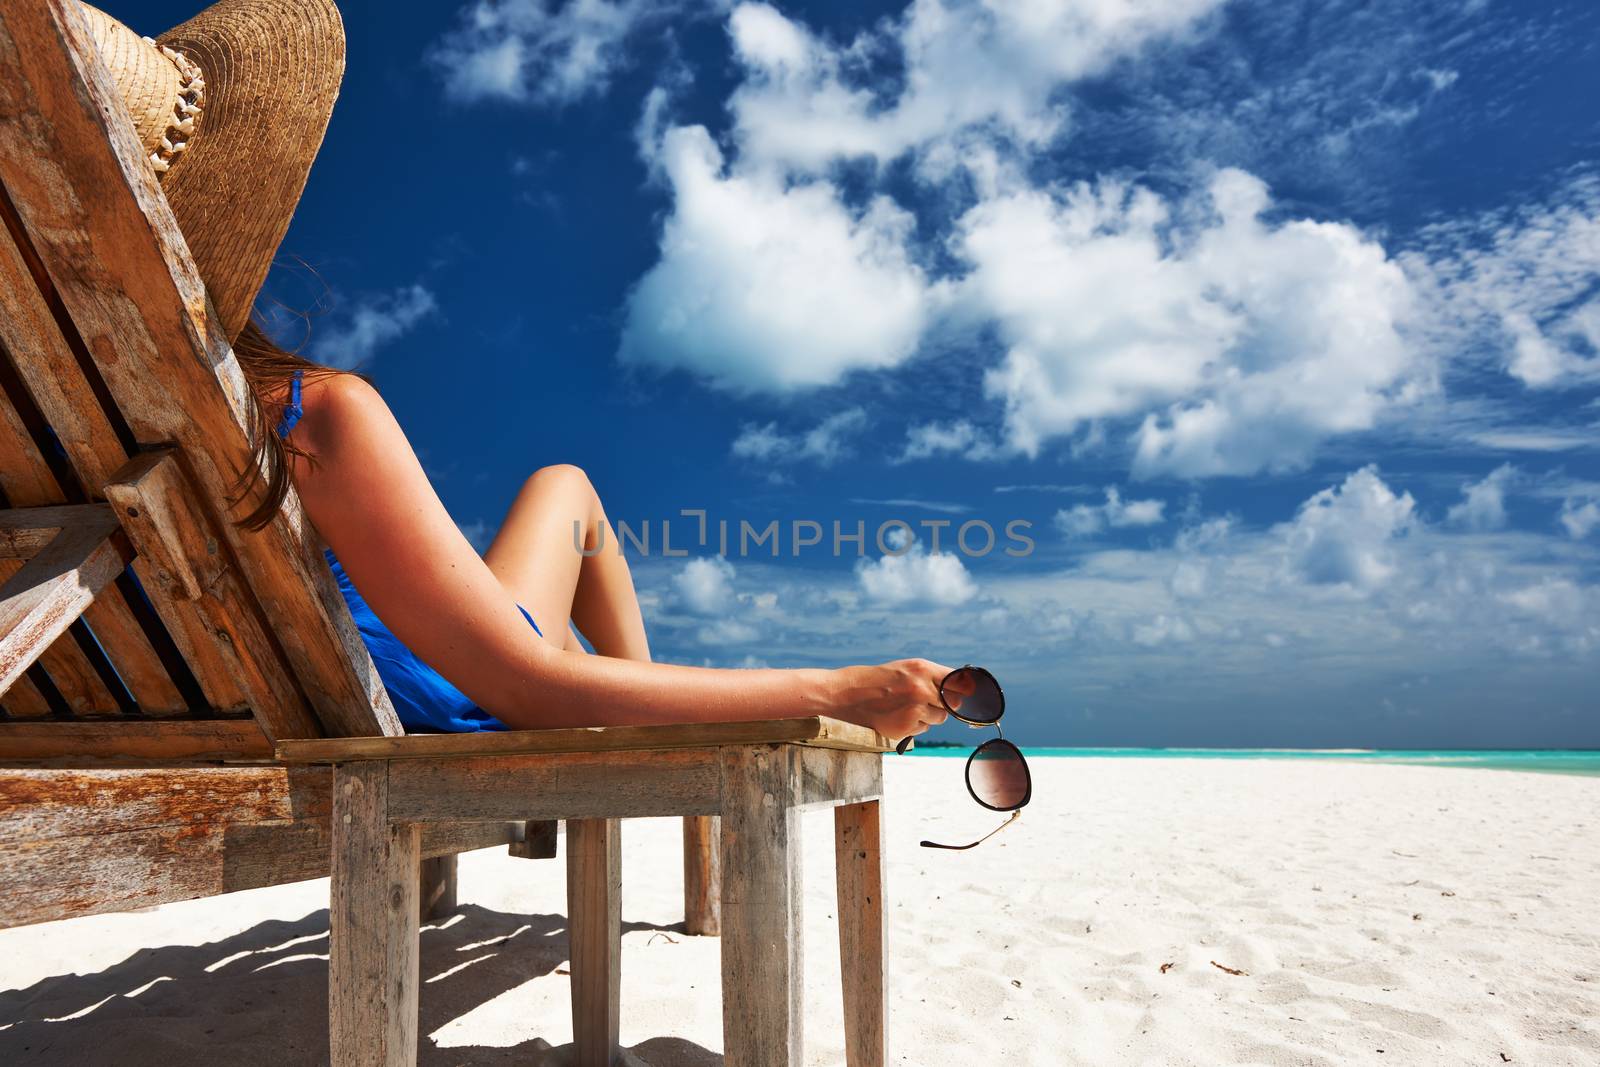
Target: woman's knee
[[564, 478]]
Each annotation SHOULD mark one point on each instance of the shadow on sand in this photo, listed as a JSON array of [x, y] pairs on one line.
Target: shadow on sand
[[260, 998]]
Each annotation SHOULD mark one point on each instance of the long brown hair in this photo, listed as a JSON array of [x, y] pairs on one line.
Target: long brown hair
[[268, 369]]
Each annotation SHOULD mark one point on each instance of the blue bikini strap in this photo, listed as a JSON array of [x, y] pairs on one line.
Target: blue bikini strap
[[291, 413]]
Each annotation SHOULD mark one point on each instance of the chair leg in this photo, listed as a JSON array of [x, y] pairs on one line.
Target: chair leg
[[594, 932], [762, 977], [437, 897], [858, 858], [373, 905], [702, 875]]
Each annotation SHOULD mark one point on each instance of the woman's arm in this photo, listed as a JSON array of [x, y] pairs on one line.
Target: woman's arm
[[369, 498]]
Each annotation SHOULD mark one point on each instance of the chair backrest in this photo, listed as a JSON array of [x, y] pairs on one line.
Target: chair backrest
[[136, 620]]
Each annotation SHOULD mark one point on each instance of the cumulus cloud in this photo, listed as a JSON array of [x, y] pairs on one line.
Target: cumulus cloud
[[1580, 517], [806, 103], [1243, 344], [1483, 503], [764, 285], [1085, 520], [957, 438], [543, 51], [1342, 537], [915, 577], [705, 586], [356, 334], [825, 443]]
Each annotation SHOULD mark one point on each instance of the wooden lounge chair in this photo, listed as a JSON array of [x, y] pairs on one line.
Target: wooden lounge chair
[[186, 708]]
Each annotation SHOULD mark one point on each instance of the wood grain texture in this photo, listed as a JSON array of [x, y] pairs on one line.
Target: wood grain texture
[[80, 686], [38, 804], [24, 700], [54, 378], [53, 588], [594, 932], [579, 785], [436, 894], [538, 840], [76, 843], [702, 875], [814, 731], [25, 478], [832, 776], [91, 205], [762, 951], [86, 742], [25, 531], [373, 904], [128, 647], [193, 580], [858, 867]]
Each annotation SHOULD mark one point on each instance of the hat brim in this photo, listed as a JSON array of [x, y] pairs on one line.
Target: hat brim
[[272, 70]]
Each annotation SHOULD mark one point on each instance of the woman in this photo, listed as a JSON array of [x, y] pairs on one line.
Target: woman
[[231, 107]]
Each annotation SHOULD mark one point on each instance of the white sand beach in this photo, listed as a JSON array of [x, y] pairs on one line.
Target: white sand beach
[[1376, 914]]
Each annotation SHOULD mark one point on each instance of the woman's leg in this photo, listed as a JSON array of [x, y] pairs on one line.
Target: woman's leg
[[534, 556]]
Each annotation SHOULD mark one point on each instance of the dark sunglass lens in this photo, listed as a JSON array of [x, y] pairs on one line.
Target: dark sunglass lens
[[998, 776], [973, 694]]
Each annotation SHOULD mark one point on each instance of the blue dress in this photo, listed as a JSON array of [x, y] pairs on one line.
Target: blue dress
[[423, 698]]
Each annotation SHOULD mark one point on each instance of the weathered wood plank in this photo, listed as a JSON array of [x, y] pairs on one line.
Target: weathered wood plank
[[25, 478], [830, 776], [24, 532], [29, 484], [702, 875], [68, 877], [45, 362], [436, 895], [594, 934], [85, 742], [762, 953], [372, 958], [193, 579], [858, 869], [538, 840], [24, 701], [74, 676], [578, 785], [814, 731], [94, 212], [52, 589], [130, 651]]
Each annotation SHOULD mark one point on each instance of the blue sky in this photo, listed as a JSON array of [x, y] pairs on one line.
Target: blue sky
[[1278, 321]]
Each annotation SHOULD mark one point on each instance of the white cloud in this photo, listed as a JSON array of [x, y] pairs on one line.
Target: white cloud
[[1342, 537], [1580, 518], [1521, 286], [915, 577], [543, 51], [1483, 503], [1161, 630], [959, 438], [1243, 344], [1085, 520], [705, 585], [806, 103], [357, 334], [769, 286], [825, 444]]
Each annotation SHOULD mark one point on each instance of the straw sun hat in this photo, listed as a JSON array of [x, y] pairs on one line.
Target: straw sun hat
[[231, 107]]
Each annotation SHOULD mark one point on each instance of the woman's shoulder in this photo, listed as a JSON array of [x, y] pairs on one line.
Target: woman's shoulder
[[337, 403]]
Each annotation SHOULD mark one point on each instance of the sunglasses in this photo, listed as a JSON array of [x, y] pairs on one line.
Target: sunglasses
[[997, 775]]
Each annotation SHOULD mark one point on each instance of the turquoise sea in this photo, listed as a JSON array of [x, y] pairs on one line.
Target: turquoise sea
[[1552, 761]]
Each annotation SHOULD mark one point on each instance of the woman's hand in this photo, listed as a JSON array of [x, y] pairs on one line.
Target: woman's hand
[[898, 699]]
